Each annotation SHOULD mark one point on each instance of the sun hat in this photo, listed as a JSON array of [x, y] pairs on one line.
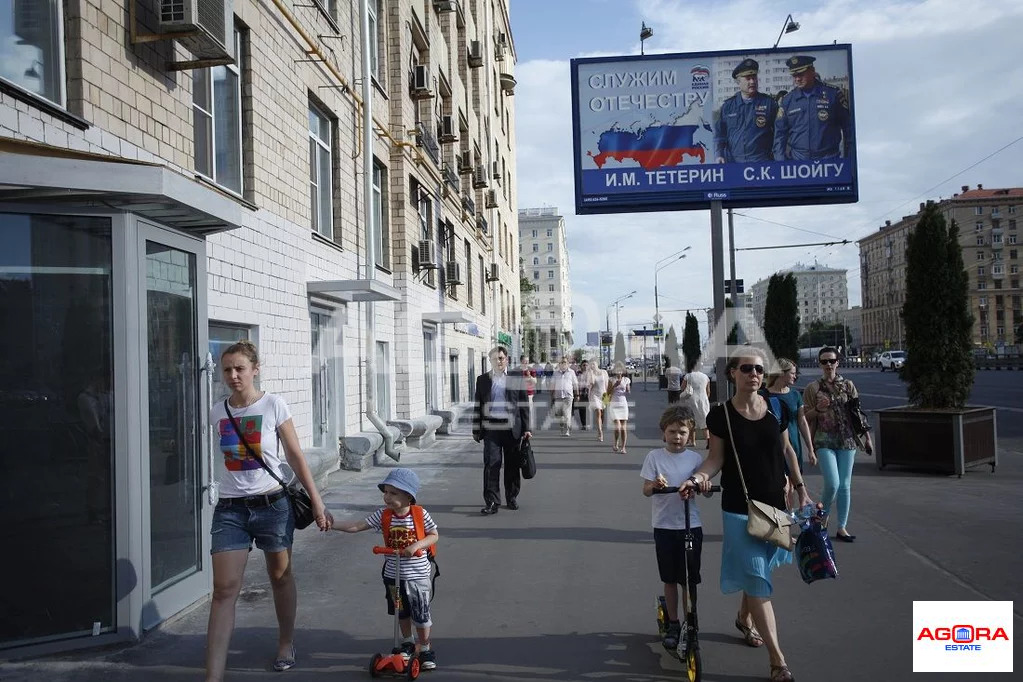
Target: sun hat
[[404, 480]]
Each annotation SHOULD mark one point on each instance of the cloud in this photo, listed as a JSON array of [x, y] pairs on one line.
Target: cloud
[[935, 86]]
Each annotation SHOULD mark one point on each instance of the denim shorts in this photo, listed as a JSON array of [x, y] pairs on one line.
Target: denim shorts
[[272, 527], [415, 601]]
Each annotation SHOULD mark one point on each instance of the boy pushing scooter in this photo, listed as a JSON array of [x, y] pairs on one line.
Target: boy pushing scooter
[[410, 532]]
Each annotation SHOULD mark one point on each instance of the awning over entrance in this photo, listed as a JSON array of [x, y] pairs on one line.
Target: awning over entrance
[[446, 317], [31, 172], [354, 290]]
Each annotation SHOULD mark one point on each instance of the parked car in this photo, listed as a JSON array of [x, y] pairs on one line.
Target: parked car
[[892, 359]]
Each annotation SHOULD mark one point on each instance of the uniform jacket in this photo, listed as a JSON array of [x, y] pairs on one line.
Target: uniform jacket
[[515, 396], [745, 129], [813, 124]]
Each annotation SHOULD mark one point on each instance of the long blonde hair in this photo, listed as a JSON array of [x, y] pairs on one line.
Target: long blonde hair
[[781, 366]]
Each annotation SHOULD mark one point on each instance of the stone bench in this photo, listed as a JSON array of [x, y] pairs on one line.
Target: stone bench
[[404, 426], [424, 431], [359, 451], [457, 418]]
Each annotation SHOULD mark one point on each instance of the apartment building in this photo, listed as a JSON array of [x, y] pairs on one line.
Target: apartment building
[[822, 294], [547, 331], [333, 180], [989, 236]]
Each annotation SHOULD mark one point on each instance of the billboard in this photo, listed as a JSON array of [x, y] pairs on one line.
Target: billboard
[[673, 132]]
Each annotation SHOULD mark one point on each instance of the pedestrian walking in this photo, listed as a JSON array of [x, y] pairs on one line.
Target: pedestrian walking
[[834, 441], [406, 527], [254, 426], [529, 376], [500, 420], [751, 435], [696, 392], [674, 379], [779, 384], [582, 402], [564, 388], [619, 406], [597, 390]]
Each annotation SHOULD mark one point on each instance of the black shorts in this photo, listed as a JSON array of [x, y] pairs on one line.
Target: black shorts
[[670, 546], [673, 396]]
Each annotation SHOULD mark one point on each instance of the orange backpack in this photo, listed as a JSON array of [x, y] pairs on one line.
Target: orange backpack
[[418, 523]]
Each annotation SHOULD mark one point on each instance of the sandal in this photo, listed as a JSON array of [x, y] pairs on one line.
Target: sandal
[[282, 663], [749, 634], [780, 673]]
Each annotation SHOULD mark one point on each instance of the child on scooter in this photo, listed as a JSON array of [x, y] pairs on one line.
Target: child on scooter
[[668, 467], [401, 517]]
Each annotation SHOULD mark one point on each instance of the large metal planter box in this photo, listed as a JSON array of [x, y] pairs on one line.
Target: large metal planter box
[[945, 441]]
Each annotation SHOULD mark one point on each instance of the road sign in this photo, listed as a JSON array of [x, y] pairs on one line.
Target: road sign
[[728, 286]]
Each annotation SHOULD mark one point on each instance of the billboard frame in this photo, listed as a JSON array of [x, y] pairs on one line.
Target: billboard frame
[[751, 196]]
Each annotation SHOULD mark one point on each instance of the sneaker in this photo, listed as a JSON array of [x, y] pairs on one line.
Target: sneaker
[[672, 636], [427, 659], [406, 650], [680, 650]]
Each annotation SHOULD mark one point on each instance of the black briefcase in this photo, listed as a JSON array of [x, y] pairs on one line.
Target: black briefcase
[[527, 459]]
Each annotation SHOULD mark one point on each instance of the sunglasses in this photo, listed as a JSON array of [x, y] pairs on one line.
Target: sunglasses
[[829, 361], [747, 368]]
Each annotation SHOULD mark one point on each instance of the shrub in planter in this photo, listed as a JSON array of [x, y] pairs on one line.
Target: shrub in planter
[[938, 431]]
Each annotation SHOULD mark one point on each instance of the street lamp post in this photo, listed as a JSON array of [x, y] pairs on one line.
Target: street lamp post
[[614, 304], [788, 27], [668, 260]]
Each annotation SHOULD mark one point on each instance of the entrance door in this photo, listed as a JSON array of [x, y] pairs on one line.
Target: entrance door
[[174, 415]]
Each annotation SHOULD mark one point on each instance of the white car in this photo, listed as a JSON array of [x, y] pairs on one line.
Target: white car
[[892, 359]]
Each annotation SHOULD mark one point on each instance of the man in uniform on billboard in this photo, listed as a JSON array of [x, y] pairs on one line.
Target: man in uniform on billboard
[[813, 120], [745, 128]]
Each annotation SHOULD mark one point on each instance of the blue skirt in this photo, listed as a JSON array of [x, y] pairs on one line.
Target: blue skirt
[[746, 563]]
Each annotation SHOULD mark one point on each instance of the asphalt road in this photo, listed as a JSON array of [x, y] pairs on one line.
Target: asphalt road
[[564, 588]]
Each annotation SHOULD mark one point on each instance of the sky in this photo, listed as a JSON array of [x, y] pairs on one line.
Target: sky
[[937, 85]]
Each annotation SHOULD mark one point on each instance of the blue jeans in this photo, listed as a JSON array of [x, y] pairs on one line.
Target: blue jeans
[[271, 527], [836, 468]]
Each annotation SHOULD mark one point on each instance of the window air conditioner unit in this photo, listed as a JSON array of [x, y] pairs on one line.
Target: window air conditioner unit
[[465, 163], [475, 54], [447, 130], [492, 274], [204, 21], [420, 82], [442, 6], [491, 198], [495, 170], [479, 178], [453, 272], [426, 260]]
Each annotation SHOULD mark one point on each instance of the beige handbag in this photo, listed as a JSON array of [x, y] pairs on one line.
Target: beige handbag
[[765, 522]]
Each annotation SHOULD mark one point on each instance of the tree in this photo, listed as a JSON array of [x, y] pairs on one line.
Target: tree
[[671, 346], [733, 334], [821, 333], [936, 315], [577, 355], [530, 342], [619, 348], [781, 317], [691, 342]]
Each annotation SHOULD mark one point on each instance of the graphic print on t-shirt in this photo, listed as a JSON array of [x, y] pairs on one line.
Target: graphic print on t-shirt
[[236, 456], [400, 537]]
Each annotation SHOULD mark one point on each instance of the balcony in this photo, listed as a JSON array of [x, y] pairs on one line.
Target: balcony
[[482, 225], [426, 140], [468, 205]]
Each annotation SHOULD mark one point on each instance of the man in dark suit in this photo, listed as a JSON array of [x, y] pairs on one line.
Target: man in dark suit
[[500, 421]]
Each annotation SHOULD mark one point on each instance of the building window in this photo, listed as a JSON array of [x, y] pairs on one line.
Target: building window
[[980, 271], [381, 233], [978, 226], [217, 121], [536, 248], [536, 261], [550, 287], [980, 240], [1012, 254], [550, 247], [330, 7], [33, 38], [1012, 236], [550, 260], [980, 255], [383, 381], [550, 274], [320, 172], [536, 274], [534, 234], [550, 232], [483, 286], [978, 210], [374, 40]]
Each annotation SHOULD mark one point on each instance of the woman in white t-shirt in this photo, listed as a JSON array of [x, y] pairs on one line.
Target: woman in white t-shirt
[[253, 507], [619, 406]]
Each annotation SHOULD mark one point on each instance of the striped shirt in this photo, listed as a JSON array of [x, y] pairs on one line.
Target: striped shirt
[[403, 534]]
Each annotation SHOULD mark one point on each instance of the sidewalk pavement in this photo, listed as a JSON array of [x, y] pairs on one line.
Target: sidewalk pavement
[[920, 536]]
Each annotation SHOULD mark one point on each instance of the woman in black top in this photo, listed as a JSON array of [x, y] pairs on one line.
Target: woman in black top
[[760, 440]]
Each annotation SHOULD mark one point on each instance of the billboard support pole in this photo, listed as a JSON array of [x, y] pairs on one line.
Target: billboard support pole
[[718, 272], [731, 261]]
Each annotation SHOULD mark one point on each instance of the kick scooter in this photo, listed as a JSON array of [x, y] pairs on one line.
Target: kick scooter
[[395, 664], [688, 650]]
